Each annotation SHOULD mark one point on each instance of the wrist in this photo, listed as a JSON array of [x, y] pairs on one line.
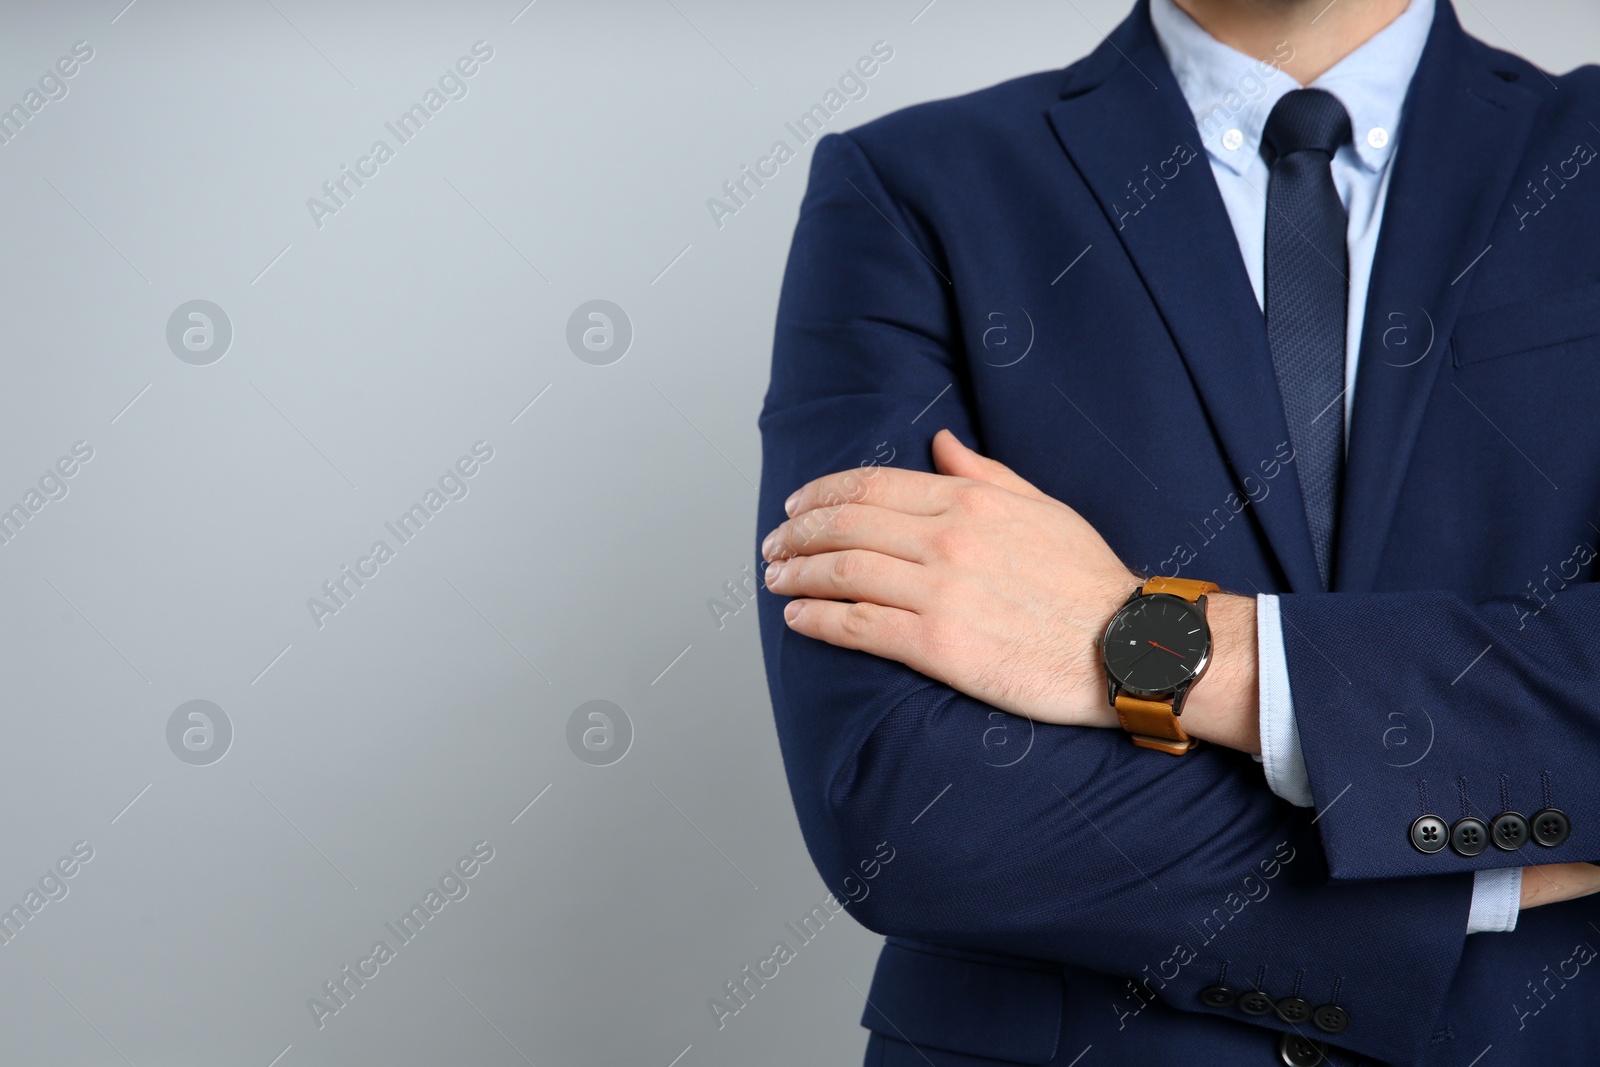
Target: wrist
[[1223, 707]]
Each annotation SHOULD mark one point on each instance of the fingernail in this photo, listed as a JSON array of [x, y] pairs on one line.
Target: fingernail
[[766, 546], [788, 505], [772, 572], [791, 610]]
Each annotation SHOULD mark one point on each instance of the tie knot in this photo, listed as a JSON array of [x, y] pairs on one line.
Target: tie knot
[[1305, 120]]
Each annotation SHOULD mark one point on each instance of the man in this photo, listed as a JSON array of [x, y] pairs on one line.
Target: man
[[1140, 294]]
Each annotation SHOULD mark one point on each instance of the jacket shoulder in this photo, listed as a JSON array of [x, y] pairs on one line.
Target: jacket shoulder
[[1578, 87], [933, 129]]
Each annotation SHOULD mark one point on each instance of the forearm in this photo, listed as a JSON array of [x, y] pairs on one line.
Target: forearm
[[1257, 673], [1422, 703], [1069, 844]]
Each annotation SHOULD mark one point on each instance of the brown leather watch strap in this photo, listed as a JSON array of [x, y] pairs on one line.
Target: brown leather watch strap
[[1188, 588], [1151, 724]]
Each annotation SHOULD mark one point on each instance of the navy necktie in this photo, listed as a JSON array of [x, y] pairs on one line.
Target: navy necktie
[[1308, 287]]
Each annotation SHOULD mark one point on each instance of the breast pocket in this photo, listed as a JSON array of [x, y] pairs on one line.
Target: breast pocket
[[1564, 322]]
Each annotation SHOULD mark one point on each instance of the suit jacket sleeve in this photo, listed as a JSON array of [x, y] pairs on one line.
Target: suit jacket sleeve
[[1496, 894], [1422, 703], [1056, 843]]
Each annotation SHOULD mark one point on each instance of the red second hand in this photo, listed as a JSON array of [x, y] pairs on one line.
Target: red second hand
[[1167, 650]]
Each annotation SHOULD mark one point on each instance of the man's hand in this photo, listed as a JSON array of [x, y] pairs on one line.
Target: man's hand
[[975, 578]]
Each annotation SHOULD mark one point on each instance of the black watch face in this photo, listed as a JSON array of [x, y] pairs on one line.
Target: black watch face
[[1156, 644]]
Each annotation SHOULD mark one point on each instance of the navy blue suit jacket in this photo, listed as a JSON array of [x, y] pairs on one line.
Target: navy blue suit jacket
[[1047, 268]]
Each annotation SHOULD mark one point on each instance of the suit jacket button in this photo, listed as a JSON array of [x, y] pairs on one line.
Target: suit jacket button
[[1429, 833], [1331, 1019], [1509, 831], [1469, 836], [1255, 1002], [1551, 827], [1293, 1010], [1299, 1051], [1218, 996]]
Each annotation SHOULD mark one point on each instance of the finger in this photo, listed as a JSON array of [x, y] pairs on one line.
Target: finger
[[888, 632], [952, 457], [853, 574], [1555, 882], [850, 526], [912, 492]]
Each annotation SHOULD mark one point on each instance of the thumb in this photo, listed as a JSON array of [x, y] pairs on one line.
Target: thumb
[[953, 458]]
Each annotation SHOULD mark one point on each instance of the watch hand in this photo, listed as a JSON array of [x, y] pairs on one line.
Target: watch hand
[[1137, 658], [1167, 650]]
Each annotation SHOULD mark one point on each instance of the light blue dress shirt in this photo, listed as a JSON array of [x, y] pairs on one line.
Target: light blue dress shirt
[[1231, 96]]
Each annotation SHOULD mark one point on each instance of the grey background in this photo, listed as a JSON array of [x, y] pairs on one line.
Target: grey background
[[367, 356]]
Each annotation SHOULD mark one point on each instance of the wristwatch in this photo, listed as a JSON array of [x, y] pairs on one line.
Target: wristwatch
[[1154, 649]]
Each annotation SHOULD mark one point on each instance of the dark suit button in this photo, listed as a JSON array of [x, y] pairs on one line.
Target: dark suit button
[[1509, 831], [1218, 996], [1551, 827], [1299, 1051], [1331, 1019], [1469, 836], [1255, 1002], [1429, 834], [1293, 1010]]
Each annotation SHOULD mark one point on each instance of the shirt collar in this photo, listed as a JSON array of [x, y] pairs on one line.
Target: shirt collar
[[1230, 94]]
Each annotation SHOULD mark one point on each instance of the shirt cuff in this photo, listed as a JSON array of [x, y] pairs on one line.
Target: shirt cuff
[[1496, 901], [1281, 757]]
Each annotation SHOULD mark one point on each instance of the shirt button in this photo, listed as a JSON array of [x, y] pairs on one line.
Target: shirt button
[[1232, 140], [1377, 137]]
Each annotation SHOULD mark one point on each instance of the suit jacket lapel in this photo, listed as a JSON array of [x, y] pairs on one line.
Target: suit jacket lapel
[[1123, 118], [1463, 131]]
